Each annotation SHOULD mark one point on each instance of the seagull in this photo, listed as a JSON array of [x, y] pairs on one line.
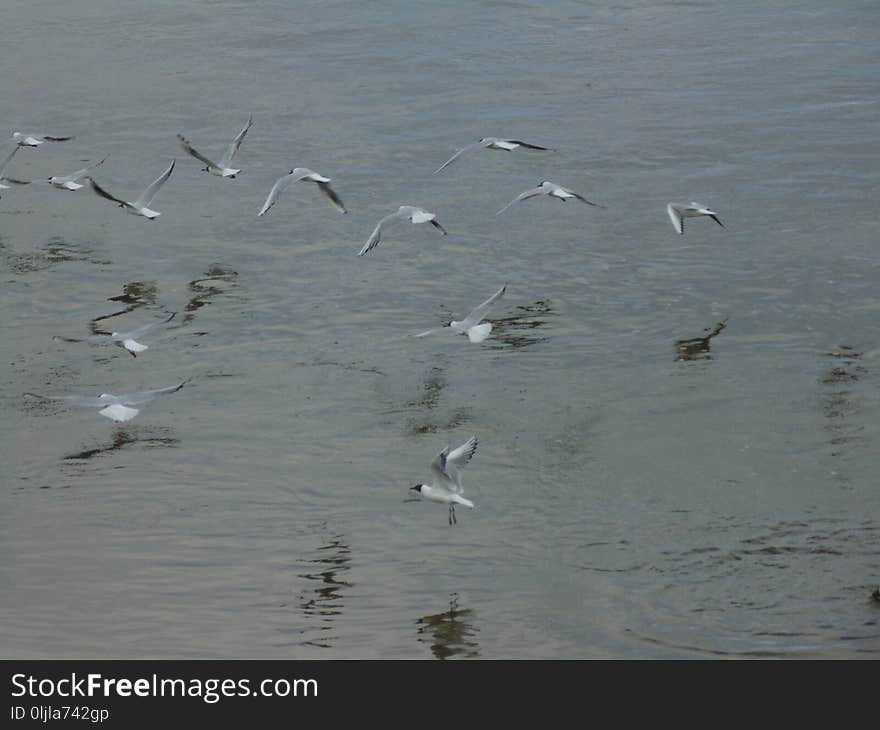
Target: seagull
[[128, 339], [548, 188], [404, 212], [295, 175], [470, 325], [139, 206], [23, 139], [4, 178], [679, 211], [69, 182], [447, 480], [115, 407], [492, 143], [222, 168]]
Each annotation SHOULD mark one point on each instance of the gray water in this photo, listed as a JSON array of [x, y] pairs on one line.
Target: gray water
[[677, 435]]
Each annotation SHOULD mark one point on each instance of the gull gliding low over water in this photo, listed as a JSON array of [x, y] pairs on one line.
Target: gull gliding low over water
[[128, 341], [71, 182], [446, 487], [295, 175], [492, 143], [24, 139], [470, 325], [115, 407], [222, 168], [679, 211], [404, 212], [3, 177], [141, 205], [553, 190]]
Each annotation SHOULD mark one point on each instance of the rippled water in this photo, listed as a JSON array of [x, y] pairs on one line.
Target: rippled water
[[677, 434]]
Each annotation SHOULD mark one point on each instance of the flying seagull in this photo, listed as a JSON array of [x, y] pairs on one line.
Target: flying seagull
[[128, 340], [295, 175], [470, 325], [679, 211], [404, 212], [553, 190], [492, 143], [71, 182], [222, 168], [23, 139], [141, 205], [446, 487], [115, 407]]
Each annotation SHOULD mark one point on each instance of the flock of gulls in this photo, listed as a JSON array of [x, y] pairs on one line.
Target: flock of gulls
[[446, 487]]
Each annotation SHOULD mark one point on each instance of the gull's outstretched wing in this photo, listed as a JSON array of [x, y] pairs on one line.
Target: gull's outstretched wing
[[458, 154], [150, 193], [104, 194], [332, 196], [5, 162], [142, 396], [56, 139], [448, 463], [583, 199], [236, 143], [281, 184], [460, 457], [89, 401], [530, 146], [74, 176], [141, 331], [431, 331], [190, 150], [376, 235], [676, 218], [524, 196], [438, 467], [477, 313]]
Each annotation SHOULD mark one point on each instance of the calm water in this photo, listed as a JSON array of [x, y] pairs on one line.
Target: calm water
[[678, 435]]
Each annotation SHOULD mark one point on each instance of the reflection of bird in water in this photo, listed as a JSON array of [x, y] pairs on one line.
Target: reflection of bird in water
[[698, 347], [326, 603], [516, 330], [122, 438], [206, 288], [450, 633]]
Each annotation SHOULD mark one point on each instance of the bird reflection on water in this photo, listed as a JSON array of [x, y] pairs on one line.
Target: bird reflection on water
[[698, 348], [518, 330], [324, 600], [122, 437], [209, 286], [450, 634]]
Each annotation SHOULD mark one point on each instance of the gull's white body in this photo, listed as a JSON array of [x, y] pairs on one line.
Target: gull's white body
[[222, 168], [491, 143], [117, 407], [446, 487], [679, 211], [551, 189], [24, 139], [141, 205], [128, 339], [295, 175], [71, 182], [404, 212], [470, 325], [3, 178]]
